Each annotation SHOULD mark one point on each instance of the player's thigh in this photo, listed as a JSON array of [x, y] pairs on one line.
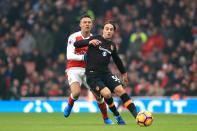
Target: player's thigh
[[84, 81], [95, 83], [111, 81], [74, 75], [74, 79], [97, 95]]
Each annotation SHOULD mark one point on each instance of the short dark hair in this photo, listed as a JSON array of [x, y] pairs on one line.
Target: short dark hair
[[110, 22], [84, 16]]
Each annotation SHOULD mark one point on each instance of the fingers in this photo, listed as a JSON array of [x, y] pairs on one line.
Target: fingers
[[95, 42]]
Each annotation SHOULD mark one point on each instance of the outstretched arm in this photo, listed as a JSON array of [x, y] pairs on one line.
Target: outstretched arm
[[83, 43]]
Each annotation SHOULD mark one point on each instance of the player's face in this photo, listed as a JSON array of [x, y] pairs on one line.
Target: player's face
[[108, 31], [86, 24]]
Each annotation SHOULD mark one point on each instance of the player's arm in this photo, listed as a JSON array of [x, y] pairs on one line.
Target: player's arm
[[118, 61], [119, 64], [81, 43], [71, 50], [92, 41]]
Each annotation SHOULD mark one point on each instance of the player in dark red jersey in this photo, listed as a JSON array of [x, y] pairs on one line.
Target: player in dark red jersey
[[75, 69], [99, 77]]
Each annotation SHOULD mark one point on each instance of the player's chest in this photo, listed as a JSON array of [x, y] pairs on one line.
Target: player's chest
[[104, 50], [81, 50]]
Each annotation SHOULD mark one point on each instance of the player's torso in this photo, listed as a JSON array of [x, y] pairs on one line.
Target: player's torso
[[83, 50], [78, 51], [99, 57]]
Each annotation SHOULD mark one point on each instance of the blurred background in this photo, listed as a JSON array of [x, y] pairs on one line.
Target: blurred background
[[156, 39]]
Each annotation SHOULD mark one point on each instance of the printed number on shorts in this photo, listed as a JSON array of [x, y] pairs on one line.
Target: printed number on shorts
[[116, 78]]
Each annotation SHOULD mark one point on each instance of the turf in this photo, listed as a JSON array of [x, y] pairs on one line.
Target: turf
[[91, 122]]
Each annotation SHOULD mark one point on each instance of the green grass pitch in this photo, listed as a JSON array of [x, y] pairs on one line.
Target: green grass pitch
[[91, 122]]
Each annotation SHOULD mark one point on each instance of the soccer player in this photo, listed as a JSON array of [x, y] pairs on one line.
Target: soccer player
[[76, 68], [99, 77]]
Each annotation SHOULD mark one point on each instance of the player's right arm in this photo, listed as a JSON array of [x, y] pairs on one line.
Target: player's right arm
[[81, 43], [71, 50], [86, 42]]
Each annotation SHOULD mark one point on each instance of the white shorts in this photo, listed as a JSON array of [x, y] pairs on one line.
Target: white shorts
[[76, 74]]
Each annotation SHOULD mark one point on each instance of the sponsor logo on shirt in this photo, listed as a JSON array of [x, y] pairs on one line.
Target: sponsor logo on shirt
[[105, 50]]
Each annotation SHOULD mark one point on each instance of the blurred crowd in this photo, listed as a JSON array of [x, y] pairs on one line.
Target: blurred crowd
[[156, 39]]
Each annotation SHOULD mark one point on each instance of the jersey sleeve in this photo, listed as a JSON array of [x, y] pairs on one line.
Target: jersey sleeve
[[71, 50], [83, 43], [117, 60]]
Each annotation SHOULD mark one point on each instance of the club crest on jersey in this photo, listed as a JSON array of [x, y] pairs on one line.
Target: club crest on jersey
[[104, 53]]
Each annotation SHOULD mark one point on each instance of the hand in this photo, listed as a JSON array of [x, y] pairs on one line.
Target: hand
[[95, 42], [125, 78]]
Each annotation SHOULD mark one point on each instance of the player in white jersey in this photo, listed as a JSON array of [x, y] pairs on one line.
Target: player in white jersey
[[75, 69]]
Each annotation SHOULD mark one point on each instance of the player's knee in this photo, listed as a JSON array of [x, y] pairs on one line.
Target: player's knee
[[107, 94], [75, 90], [76, 94], [119, 90]]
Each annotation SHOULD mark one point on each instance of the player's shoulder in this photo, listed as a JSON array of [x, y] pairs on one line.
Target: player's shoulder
[[97, 36], [75, 34]]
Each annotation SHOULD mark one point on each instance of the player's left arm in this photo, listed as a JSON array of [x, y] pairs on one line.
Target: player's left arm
[[119, 64]]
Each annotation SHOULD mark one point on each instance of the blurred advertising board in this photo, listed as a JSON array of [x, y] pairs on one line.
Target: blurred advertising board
[[156, 105]]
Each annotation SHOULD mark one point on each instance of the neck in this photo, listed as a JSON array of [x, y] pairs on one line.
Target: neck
[[106, 38], [85, 34]]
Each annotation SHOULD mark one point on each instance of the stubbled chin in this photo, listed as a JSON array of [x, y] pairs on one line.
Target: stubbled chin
[[87, 30], [108, 38]]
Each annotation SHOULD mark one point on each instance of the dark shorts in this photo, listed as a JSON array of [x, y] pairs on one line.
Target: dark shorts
[[98, 81]]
